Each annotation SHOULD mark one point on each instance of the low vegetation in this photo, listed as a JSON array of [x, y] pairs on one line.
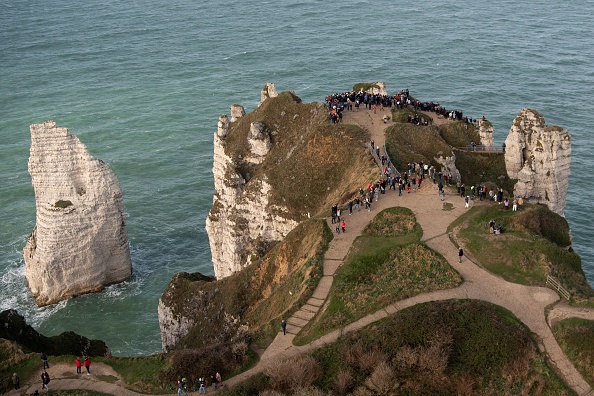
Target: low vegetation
[[255, 298], [385, 265], [406, 143], [532, 246], [442, 348], [576, 338]]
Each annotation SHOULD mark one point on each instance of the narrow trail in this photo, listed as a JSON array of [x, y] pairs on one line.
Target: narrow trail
[[527, 303]]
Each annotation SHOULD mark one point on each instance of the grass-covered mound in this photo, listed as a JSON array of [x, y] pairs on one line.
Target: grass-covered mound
[[312, 163], [532, 246], [406, 143], [455, 347], [385, 265], [576, 338], [256, 296]]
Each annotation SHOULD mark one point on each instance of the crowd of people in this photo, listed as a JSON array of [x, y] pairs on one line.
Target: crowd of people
[[339, 102]]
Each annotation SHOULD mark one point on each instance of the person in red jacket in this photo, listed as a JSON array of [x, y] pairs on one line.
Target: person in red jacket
[[87, 364], [78, 365]]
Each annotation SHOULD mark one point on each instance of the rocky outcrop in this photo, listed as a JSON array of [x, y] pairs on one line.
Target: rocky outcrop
[[237, 111], [13, 327], [486, 133], [269, 91], [539, 157], [240, 219], [448, 165], [79, 243], [259, 141]]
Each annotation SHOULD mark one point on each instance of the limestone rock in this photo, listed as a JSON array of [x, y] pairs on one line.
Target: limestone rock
[[486, 133], [377, 88], [269, 91], [241, 219], [259, 139], [237, 111], [448, 165], [223, 126], [539, 157], [79, 243]]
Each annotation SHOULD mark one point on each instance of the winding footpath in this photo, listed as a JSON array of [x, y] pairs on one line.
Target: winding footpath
[[527, 303]]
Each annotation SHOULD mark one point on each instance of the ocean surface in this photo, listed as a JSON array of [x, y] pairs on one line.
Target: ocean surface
[[142, 84]]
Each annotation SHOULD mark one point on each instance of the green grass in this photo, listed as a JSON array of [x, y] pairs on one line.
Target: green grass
[[379, 271], [140, 372], [576, 338], [520, 254]]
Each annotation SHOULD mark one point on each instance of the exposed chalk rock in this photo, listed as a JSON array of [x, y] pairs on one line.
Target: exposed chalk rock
[[377, 88], [448, 165], [237, 111], [486, 133], [223, 126], [79, 244], [259, 139], [241, 218], [269, 91], [539, 157]]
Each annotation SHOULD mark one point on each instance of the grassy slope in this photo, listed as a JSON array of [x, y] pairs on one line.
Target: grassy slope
[[576, 338], [531, 247], [257, 295], [385, 264], [312, 163], [411, 143]]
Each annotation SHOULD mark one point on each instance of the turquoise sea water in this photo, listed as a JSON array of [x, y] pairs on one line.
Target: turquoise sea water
[[142, 84]]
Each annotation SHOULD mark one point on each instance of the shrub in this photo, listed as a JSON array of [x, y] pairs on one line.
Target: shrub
[[382, 380], [343, 381], [292, 373]]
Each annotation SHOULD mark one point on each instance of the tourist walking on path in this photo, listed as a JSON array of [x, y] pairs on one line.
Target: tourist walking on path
[[460, 254], [219, 379], [181, 386], [16, 381], [44, 360], [343, 226], [284, 326], [78, 365], [45, 380], [87, 364]]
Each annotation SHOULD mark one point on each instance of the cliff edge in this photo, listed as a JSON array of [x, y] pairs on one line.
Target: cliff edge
[[79, 244]]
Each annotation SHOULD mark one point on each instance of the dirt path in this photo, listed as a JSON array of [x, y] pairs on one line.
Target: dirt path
[[527, 303]]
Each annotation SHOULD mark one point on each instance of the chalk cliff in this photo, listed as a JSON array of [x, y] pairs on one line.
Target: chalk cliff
[[486, 133], [539, 157], [241, 219], [79, 243]]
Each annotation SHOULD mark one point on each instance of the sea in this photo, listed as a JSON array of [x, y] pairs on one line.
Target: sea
[[142, 84]]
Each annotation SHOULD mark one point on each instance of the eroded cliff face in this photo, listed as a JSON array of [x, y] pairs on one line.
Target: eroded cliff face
[[486, 133], [79, 243], [539, 157], [241, 218]]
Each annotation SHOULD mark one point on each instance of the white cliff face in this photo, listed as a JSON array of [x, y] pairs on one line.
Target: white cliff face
[[237, 111], [79, 244], [379, 88], [486, 133], [539, 157], [173, 327], [269, 91], [241, 219]]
